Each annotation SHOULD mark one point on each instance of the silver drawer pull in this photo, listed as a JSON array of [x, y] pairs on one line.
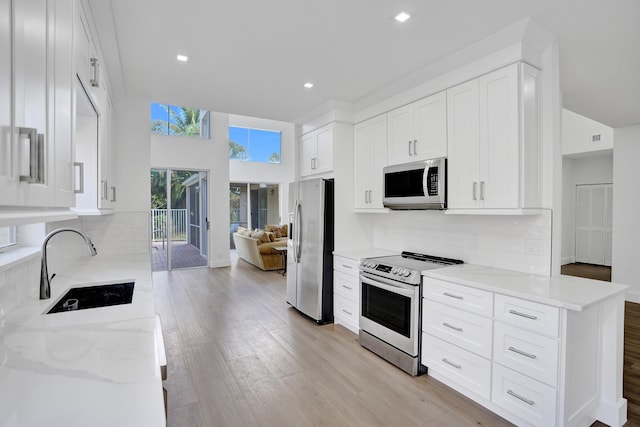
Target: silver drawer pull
[[347, 287], [524, 353], [451, 363], [455, 328], [347, 266], [528, 316], [447, 294], [524, 399], [347, 312]]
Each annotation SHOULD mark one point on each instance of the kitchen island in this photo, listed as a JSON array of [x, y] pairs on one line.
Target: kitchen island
[[97, 367], [537, 350]]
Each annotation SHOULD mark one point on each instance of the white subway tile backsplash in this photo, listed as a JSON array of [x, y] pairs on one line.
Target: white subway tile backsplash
[[493, 240]]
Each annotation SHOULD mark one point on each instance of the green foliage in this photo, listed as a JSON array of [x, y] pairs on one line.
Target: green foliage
[[237, 151], [159, 189], [184, 121], [274, 158]]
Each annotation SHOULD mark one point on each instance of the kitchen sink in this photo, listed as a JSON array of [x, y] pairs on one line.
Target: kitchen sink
[[94, 296]]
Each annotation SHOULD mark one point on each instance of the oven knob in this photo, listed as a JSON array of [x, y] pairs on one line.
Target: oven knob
[[406, 273], [394, 270], [399, 271]]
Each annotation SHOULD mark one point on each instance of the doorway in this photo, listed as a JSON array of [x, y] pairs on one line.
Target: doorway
[[253, 206], [179, 223], [594, 212]]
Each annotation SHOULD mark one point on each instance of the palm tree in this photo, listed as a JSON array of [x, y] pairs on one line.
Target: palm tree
[[180, 121], [237, 151], [274, 158]]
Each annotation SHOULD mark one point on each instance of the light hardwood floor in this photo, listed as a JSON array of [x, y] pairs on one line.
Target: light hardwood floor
[[238, 355]]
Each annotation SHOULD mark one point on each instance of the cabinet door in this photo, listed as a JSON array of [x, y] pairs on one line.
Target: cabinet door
[[400, 135], [82, 42], [363, 135], [499, 139], [370, 159], [9, 184], [463, 135], [324, 150], [308, 153], [430, 127], [61, 100], [30, 86]]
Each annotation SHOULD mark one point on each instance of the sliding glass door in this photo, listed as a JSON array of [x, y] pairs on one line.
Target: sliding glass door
[[178, 219]]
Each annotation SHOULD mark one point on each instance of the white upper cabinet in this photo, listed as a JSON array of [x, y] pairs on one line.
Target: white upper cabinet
[[8, 179], [316, 153], [370, 154], [61, 100], [418, 131], [493, 146]]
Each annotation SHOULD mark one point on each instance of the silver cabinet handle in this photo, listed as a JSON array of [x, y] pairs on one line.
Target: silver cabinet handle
[[415, 147], [409, 145], [80, 175], [95, 67], [347, 287], [524, 399], [32, 153], [523, 353], [113, 194], [455, 328], [525, 315], [346, 312], [447, 294], [370, 201], [105, 186], [475, 185], [347, 266], [451, 363], [481, 190]]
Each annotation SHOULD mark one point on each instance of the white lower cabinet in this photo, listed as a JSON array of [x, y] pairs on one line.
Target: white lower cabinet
[[531, 363], [346, 292]]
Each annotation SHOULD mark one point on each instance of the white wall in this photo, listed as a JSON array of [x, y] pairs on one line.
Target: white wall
[[577, 133], [210, 155], [625, 267], [594, 168]]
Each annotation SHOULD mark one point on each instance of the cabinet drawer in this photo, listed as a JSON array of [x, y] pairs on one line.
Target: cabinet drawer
[[346, 309], [346, 265], [464, 297], [346, 285], [525, 352], [464, 368], [525, 397], [533, 316], [467, 330]]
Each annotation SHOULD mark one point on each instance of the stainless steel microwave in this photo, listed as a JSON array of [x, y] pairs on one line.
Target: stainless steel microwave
[[418, 185]]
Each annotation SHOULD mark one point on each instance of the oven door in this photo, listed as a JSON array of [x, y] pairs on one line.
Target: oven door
[[389, 310]]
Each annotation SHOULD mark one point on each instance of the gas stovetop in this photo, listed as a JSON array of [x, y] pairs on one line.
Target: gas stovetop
[[406, 267]]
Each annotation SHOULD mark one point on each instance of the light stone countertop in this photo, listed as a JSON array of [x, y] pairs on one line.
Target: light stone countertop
[[358, 254], [573, 293], [95, 367]]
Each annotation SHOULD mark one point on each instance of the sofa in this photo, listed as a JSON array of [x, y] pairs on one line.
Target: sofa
[[256, 246]]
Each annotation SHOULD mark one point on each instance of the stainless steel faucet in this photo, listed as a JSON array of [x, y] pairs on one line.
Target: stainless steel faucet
[[45, 281]]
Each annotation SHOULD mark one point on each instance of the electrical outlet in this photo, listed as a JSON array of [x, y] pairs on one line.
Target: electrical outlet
[[533, 247]]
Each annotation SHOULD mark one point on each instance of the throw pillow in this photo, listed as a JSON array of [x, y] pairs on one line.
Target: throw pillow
[[260, 235], [271, 235]]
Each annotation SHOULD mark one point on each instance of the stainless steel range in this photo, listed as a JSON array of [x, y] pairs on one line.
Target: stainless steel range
[[390, 306]]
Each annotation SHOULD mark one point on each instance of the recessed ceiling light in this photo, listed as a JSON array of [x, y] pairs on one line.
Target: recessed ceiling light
[[308, 85], [182, 58], [402, 16]]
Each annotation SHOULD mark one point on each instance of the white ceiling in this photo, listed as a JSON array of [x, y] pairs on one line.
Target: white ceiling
[[251, 57]]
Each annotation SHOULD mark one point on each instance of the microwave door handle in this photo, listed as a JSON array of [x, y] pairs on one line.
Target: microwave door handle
[[387, 286], [425, 180]]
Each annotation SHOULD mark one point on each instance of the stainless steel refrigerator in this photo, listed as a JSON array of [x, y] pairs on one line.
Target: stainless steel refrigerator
[[310, 248]]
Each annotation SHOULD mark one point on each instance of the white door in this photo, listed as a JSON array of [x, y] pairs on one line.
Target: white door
[[363, 135], [308, 152], [594, 223], [431, 127], [400, 135]]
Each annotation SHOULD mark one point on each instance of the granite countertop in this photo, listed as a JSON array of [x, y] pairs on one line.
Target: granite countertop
[[573, 293], [95, 367]]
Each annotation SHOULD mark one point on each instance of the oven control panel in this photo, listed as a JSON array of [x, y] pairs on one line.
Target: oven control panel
[[397, 273]]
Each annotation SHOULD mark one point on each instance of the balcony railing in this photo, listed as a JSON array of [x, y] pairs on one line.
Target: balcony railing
[[159, 230]]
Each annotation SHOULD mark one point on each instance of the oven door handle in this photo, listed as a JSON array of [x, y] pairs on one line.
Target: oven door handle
[[387, 285]]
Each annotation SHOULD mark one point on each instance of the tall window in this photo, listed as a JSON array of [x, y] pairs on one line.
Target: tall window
[[254, 145], [173, 120]]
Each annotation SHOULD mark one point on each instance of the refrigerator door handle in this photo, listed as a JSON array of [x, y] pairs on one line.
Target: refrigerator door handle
[[296, 243]]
